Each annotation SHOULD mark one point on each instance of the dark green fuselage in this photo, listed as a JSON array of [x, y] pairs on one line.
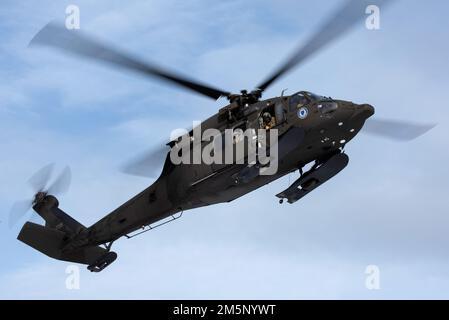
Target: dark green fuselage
[[187, 186]]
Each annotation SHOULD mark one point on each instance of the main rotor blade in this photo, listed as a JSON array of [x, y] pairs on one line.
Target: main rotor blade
[[396, 130], [40, 179], [62, 183], [74, 42], [335, 27], [147, 164]]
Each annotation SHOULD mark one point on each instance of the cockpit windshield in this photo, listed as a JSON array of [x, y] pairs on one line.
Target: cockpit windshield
[[313, 96], [303, 98], [298, 100]]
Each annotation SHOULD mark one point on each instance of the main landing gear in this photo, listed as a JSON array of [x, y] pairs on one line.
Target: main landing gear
[[312, 179]]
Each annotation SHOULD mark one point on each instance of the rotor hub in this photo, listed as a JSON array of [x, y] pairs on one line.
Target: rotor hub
[[39, 197], [246, 97]]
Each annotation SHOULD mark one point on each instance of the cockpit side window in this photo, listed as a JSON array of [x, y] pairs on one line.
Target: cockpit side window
[[297, 101], [327, 107]]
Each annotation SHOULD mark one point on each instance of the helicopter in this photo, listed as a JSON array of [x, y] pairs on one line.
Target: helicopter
[[311, 132]]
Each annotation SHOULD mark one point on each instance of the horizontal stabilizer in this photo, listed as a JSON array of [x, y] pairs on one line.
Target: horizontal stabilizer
[[51, 241]]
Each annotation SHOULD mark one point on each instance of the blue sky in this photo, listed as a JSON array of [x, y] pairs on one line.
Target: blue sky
[[388, 208]]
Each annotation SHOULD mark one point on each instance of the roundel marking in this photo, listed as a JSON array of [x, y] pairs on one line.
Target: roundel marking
[[303, 113]]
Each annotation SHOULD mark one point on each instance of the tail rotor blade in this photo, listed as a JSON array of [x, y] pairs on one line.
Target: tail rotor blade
[[40, 179], [62, 183], [396, 130], [39, 182], [18, 211]]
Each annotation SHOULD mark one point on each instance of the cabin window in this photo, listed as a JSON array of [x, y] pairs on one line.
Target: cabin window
[[279, 113], [267, 118]]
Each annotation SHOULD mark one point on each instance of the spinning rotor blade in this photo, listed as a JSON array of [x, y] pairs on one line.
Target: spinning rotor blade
[[39, 183], [73, 42], [62, 183], [40, 179], [18, 210], [396, 130], [340, 23], [147, 164]]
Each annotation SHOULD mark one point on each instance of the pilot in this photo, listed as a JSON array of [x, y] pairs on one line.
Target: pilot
[[268, 120]]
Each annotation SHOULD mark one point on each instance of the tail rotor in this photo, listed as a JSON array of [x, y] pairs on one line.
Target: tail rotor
[[40, 184]]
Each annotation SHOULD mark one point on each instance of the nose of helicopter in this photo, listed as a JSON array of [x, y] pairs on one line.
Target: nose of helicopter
[[364, 110]]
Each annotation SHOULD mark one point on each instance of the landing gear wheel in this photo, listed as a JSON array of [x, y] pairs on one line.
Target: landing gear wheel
[[103, 262]]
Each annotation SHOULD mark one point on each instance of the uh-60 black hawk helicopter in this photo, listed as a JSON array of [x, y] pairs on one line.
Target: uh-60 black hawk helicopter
[[312, 130]]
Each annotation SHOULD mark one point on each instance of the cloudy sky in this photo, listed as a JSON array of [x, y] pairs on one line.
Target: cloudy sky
[[388, 208]]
